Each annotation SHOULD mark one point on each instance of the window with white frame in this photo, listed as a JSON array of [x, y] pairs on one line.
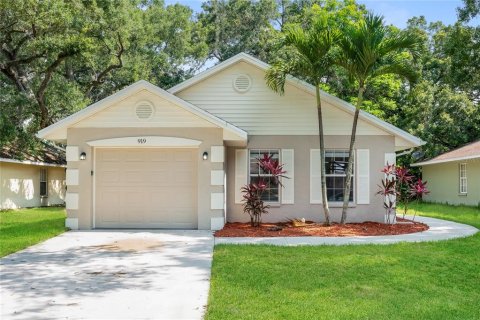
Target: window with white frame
[[43, 183], [336, 162], [463, 178], [256, 173]]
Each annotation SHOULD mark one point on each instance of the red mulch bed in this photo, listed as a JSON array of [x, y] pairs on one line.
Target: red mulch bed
[[239, 229]]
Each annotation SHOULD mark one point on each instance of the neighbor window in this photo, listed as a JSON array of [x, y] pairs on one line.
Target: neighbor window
[[256, 173], [336, 162], [463, 178], [43, 183]]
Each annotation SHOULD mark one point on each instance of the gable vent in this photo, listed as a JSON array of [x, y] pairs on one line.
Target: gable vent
[[144, 110], [242, 83]]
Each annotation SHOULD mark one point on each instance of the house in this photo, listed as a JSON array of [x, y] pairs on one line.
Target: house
[[178, 158], [36, 180], [454, 177]]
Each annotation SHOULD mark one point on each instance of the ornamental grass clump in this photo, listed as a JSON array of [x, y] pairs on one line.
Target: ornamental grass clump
[[253, 192]]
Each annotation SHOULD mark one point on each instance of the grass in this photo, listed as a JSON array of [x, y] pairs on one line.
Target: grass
[[464, 214], [25, 227], [434, 280]]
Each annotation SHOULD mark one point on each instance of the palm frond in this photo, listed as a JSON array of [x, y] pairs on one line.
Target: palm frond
[[310, 56], [369, 49], [276, 76], [400, 68]]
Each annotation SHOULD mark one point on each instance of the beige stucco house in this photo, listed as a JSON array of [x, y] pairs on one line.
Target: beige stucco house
[[178, 158], [454, 177], [36, 180]]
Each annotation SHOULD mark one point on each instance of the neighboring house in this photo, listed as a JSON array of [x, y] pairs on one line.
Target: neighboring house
[[178, 158], [36, 180], [454, 177]]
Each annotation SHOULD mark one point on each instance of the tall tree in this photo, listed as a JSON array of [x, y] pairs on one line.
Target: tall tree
[[235, 26], [470, 10], [57, 56], [310, 57], [39, 37], [369, 49]]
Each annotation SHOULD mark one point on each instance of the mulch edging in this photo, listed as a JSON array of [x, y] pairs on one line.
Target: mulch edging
[[368, 228]]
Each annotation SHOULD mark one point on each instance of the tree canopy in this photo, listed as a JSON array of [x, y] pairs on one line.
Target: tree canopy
[[58, 56]]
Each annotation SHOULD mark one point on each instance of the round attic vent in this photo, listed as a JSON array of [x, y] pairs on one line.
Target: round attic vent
[[144, 110], [242, 83]]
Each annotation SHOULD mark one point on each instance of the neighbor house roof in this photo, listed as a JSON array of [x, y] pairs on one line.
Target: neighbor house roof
[[45, 155], [58, 130], [302, 85], [467, 152]]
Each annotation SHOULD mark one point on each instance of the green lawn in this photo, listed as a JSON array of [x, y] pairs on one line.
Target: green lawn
[[402, 281], [25, 227]]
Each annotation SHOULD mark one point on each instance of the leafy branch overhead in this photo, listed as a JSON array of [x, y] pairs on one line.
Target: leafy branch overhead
[[58, 56]]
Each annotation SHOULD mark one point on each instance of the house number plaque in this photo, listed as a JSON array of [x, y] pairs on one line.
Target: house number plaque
[[142, 140]]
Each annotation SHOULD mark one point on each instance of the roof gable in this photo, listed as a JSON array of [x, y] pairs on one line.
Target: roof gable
[[118, 110], [261, 111], [467, 152], [333, 105], [123, 113]]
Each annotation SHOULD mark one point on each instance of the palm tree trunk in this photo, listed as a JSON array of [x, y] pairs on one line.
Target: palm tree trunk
[[348, 182], [323, 177]]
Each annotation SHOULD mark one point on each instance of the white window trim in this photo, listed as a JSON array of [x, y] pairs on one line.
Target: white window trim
[[352, 203], [273, 203], [463, 182], [43, 179]]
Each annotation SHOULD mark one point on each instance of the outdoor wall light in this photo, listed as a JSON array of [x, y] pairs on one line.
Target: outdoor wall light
[[83, 156], [205, 155]]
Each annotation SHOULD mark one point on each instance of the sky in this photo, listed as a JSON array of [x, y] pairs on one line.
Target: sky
[[395, 12]]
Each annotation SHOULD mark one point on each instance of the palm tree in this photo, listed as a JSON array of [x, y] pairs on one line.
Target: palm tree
[[309, 59], [369, 49]]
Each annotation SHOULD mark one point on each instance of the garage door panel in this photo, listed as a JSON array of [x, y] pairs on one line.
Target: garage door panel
[[159, 156], [112, 212], [108, 177], [160, 178], [146, 188], [137, 156], [183, 156], [132, 176], [183, 178]]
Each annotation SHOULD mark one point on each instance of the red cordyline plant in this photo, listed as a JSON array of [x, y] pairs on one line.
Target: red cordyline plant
[[399, 185], [252, 192], [403, 178], [387, 189], [417, 190]]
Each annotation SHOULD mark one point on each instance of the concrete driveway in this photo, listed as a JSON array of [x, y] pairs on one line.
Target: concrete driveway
[[109, 275]]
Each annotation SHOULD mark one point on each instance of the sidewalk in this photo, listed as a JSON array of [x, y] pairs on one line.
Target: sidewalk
[[439, 230]]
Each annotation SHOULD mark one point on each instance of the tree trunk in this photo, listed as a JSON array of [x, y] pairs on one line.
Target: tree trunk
[[348, 182], [323, 178]]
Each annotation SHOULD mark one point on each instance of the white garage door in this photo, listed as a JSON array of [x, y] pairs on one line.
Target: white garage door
[[145, 188]]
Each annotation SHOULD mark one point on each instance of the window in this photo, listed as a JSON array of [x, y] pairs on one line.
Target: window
[[271, 194], [43, 183], [463, 178], [336, 162]]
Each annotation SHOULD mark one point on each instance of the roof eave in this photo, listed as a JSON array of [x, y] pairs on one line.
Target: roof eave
[[33, 163], [431, 162], [63, 124]]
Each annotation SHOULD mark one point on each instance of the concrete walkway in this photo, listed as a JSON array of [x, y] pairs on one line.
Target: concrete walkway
[[439, 230], [109, 275]]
